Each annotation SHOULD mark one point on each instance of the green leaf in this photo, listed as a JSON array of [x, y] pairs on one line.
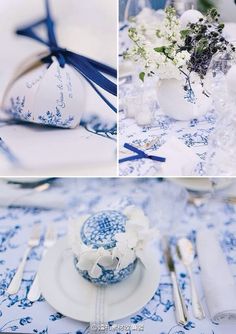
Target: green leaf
[[202, 45], [221, 26], [213, 12], [158, 33], [205, 5], [160, 49], [184, 33], [141, 76]]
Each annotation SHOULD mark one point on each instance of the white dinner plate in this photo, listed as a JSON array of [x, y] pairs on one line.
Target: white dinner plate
[[72, 295], [202, 184]]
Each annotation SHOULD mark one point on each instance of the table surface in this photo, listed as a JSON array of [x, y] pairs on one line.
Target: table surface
[[19, 315], [194, 134]]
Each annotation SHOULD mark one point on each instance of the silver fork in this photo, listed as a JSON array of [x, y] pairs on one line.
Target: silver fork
[[50, 239], [14, 286]]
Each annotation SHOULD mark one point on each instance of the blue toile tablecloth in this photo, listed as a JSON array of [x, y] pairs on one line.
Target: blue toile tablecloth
[[156, 197]]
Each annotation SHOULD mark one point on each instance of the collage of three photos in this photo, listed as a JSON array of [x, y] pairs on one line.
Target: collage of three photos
[[118, 166]]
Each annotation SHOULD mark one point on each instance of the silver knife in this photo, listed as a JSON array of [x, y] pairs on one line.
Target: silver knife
[[180, 307]]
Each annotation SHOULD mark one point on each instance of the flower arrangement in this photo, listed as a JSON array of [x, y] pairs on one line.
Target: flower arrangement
[[176, 50]]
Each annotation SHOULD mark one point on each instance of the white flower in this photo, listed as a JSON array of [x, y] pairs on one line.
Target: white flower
[[123, 253], [150, 33], [74, 233], [181, 58], [129, 245], [89, 259], [136, 216], [136, 238]]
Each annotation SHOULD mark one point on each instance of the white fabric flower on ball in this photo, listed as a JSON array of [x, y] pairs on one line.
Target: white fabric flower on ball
[[129, 244], [136, 238], [89, 260]]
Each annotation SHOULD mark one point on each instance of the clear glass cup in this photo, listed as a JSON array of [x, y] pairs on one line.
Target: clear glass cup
[[182, 5], [221, 157], [134, 7], [167, 206]]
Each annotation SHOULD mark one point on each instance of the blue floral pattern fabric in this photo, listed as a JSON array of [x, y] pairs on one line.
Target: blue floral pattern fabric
[[19, 315], [194, 134]]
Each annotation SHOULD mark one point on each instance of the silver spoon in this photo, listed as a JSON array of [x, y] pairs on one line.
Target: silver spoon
[[185, 252]]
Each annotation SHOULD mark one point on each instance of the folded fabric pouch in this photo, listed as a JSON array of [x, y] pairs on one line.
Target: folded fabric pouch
[[49, 89]]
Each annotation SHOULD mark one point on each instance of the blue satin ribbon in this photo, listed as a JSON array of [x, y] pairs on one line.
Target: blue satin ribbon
[[90, 69], [8, 153], [140, 155]]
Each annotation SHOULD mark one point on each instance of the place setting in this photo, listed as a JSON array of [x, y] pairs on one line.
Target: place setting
[[123, 264], [177, 89]]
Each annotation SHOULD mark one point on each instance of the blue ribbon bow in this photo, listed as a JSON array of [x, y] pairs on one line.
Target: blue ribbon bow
[[90, 69], [140, 155]]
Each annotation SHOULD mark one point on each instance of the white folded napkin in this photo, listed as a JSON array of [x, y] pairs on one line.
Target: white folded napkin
[[217, 280], [10, 195], [180, 159]]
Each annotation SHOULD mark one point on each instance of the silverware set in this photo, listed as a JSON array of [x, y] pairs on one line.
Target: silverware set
[[185, 252], [49, 240]]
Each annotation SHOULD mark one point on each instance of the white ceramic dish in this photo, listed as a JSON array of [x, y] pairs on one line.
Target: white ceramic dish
[[70, 294], [202, 184]]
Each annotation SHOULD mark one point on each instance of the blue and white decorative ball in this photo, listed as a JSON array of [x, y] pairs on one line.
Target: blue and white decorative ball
[[100, 229], [97, 234]]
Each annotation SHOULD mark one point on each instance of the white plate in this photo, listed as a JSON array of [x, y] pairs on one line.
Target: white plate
[[71, 295], [202, 184]]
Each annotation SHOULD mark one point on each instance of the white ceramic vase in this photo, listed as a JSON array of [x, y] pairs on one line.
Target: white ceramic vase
[[174, 103]]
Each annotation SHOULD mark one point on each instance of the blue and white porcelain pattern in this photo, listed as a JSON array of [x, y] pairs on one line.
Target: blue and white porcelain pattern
[[194, 134], [18, 315], [99, 230], [108, 276]]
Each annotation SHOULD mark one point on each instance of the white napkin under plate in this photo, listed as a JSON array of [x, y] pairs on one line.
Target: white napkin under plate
[[10, 195], [217, 279]]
